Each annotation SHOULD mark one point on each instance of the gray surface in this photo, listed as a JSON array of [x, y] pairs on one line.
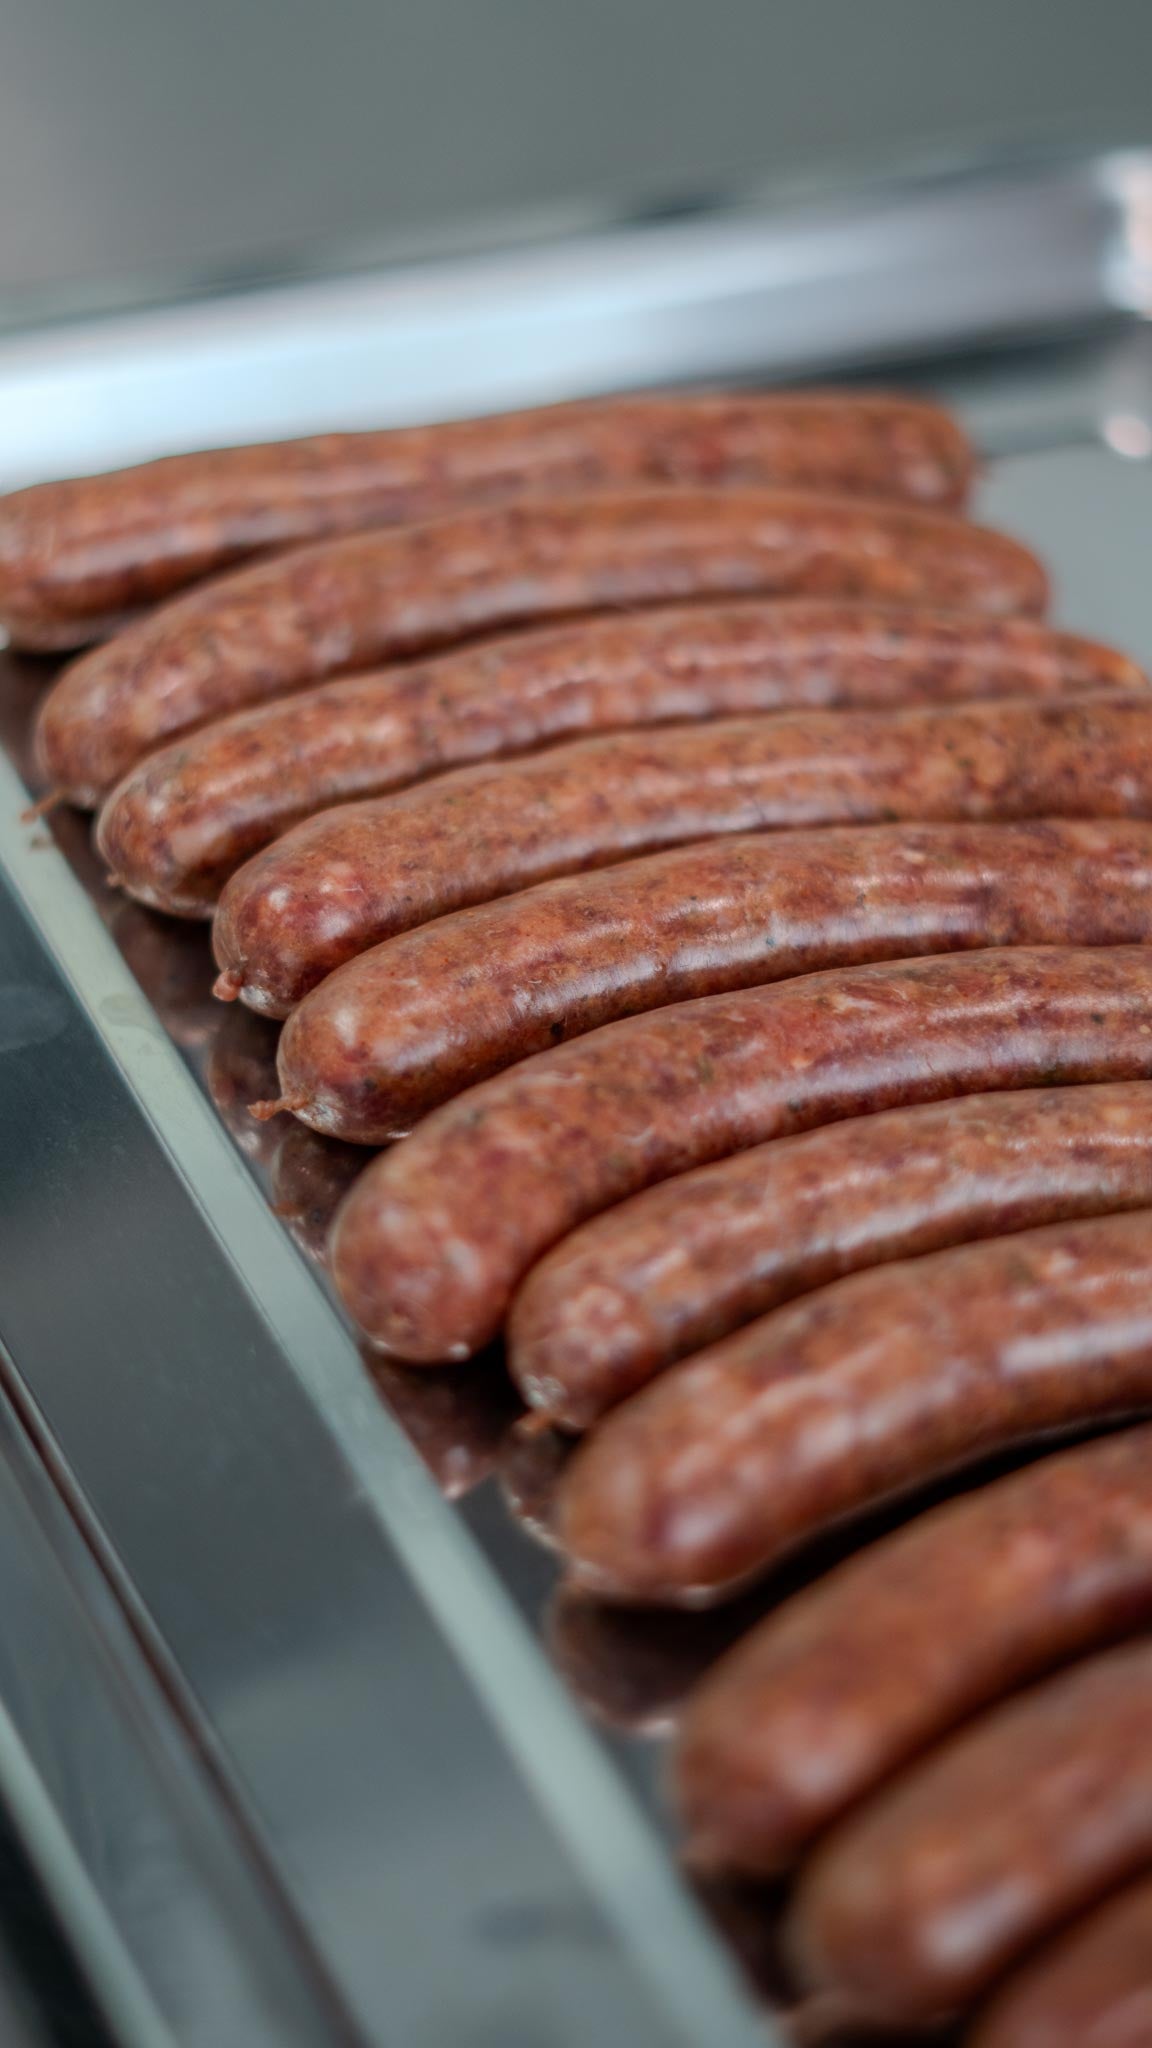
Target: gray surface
[[742, 291], [1090, 515], [22, 2025], [147, 136], [169, 1921]]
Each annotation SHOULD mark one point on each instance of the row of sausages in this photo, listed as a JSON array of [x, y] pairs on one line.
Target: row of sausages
[[78, 557], [769, 1046], [877, 1665]]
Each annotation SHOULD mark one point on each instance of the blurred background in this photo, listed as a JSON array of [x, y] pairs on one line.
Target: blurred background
[[151, 139]]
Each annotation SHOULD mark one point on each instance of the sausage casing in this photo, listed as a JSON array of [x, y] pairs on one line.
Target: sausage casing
[[407, 1025], [350, 604], [437, 1233], [183, 820], [361, 873], [855, 1395], [680, 1266], [912, 1908], [859, 1673], [77, 555], [1092, 1988]]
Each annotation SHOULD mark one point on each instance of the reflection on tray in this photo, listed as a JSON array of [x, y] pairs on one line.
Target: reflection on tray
[[238, 1065], [309, 1176], [531, 1462], [173, 965], [457, 1416], [633, 1667]]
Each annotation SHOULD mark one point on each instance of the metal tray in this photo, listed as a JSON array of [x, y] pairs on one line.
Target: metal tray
[[276, 1722]]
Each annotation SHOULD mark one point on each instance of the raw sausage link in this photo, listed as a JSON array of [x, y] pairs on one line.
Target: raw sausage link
[[406, 1026], [912, 1909], [437, 1233], [682, 1265], [878, 1383], [347, 879], [185, 818], [1092, 1989], [859, 1673], [348, 604], [75, 552]]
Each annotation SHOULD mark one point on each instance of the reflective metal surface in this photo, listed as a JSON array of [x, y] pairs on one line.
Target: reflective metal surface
[[938, 263], [447, 1847], [176, 1935]]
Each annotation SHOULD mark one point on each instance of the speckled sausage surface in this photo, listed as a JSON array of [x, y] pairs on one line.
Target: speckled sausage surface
[[361, 873], [184, 819], [914, 1907], [347, 604], [77, 554], [1091, 1988], [853, 1396], [685, 1263], [437, 1234], [868, 1668], [409, 1024]]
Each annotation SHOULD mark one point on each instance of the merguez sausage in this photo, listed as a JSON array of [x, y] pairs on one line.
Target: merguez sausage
[[682, 1265], [825, 1699], [1090, 1989], [347, 879], [349, 604], [183, 820], [77, 555], [853, 1396], [436, 1235], [913, 1908], [407, 1025]]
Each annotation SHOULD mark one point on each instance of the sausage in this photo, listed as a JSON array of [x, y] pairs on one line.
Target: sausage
[[407, 1025], [361, 873], [913, 1907], [77, 556], [680, 1266], [637, 1667], [856, 1395], [348, 604], [828, 1697], [437, 1233], [183, 820], [1090, 1989]]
